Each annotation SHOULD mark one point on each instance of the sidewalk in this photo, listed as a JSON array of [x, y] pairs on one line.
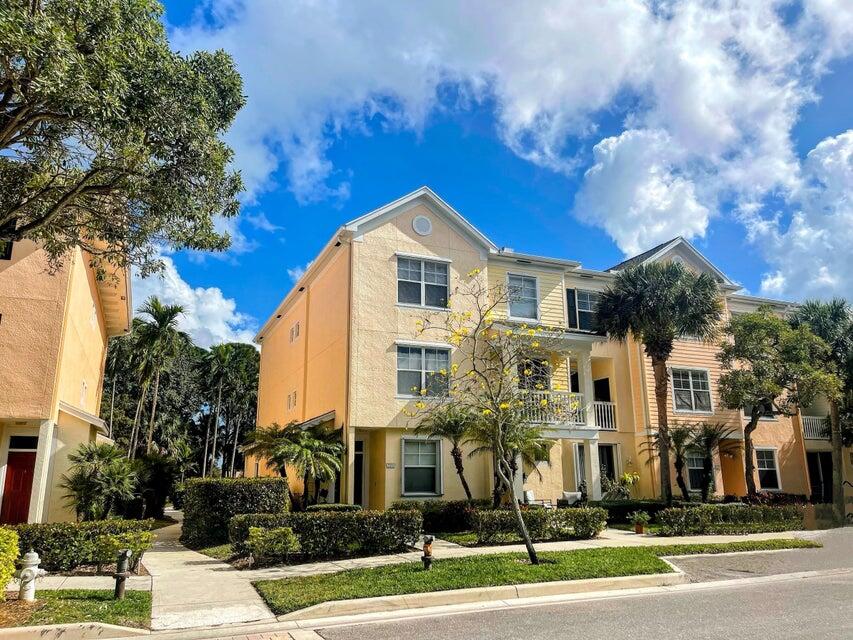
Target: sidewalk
[[444, 549], [193, 590]]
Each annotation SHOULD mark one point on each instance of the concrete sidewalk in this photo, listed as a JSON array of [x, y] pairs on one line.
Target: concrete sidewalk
[[192, 590], [443, 549]]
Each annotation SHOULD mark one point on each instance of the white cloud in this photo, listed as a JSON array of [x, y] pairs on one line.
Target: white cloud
[[295, 273], [260, 221], [209, 317], [811, 254]]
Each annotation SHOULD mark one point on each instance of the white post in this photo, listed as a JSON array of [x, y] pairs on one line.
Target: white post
[[592, 469], [40, 471], [587, 388], [350, 475]]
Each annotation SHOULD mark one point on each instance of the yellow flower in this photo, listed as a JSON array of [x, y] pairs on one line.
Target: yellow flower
[[531, 332], [473, 272], [543, 402], [487, 412], [420, 404], [423, 392], [442, 372], [508, 332], [454, 368], [534, 344], [504, 405], [527, 372]]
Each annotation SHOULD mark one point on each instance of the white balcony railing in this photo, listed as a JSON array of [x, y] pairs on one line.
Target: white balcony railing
[[555, 407], [605, 415], [814, 427]]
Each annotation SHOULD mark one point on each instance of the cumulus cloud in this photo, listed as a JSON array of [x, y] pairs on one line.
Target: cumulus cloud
[[295, 273], [209, 317]]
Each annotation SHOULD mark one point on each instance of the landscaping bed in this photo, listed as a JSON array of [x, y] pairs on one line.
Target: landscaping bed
[[291, 594], [67, 606]]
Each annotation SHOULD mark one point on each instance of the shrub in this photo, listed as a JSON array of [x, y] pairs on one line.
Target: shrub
[[333, 507], [334, 534], [618, 511], [64, 546], [8, 556], [272, 545], [639, 517], [107, 546], [210, 503], [776, 498], [177, 496], [729, 518], [496, 525], [444, 516]]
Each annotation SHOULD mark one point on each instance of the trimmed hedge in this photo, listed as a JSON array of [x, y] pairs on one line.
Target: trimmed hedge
[[210, 503], [63, 546], [336, 534], [333, 507], [619, 511], [729, 519], [496, 525], [8, 556], [444, 516]]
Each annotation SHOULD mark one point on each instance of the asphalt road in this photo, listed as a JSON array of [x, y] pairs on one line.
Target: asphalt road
[[814, 608]]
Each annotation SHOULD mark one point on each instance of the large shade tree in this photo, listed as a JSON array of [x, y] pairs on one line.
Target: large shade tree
[[655, 304], [832, 321], [109, 140], [770, 367]]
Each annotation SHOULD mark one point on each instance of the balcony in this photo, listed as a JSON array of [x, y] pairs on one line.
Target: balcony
[[605, 415], [814, 427], [563, 407]]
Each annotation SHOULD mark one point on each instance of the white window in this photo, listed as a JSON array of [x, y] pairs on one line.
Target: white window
[[523, 297], [294, 332], [422, 282], [422, 368], [421, 467], [768, 473], [691, 391], [695, 465], [587, 306]]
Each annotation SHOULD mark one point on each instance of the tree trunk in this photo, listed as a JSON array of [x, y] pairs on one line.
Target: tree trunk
[[215, 428], [505, 476], [496, 489], [837, 463], [234, 448], [131, 446], [150, 440], [305, 491], [112, 407], [749, 452], [707, 470], [206, 446], [661, 393], [456, 454], [679, 479]]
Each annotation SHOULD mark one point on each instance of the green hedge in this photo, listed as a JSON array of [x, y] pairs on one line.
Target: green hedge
[[336, 534], [334, 507], [444, 516], [496, 525], [210, 503], [729, 519], [618, 511], [63, 546], [8, 556]]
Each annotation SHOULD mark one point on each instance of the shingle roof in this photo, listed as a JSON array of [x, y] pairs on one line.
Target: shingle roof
[[641, 257]]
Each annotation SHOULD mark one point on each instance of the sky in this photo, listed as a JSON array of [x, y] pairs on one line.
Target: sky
[[589, 131]]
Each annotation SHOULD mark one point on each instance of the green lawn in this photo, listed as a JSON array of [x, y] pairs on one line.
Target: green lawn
[[291, 594], [80, 605], [219, 551]]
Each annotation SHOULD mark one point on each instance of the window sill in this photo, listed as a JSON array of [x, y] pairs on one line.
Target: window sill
[[421, 495], [692, 413], [424, 398], [422, 307], [516, 319]]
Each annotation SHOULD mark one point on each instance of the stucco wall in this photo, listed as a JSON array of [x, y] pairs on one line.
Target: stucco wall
[[69, 434]]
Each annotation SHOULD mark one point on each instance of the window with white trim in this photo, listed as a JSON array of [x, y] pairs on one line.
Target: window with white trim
[[523, 297], [587, 302], [422, 282], [422, 370], [421, 467], [691, 390], [294, 332], [695, 469], [768, 472]]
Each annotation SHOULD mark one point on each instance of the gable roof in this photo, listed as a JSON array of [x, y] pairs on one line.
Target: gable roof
[[431, 200], [656, 252]]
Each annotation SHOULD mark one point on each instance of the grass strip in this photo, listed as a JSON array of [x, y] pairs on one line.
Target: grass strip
[[65, 606], [219, 551], [291, 594]]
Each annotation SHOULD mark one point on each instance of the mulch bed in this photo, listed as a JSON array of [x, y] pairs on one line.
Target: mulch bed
[[14, 612]]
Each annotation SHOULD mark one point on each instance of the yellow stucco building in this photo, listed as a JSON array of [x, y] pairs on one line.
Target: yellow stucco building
[[54, 328], [341, 348]]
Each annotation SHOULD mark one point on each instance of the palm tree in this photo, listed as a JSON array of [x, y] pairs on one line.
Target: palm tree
[[219, 369], [182, 454], [315, 454], [833, 322], [656, 304], [118, 355], [243, 392], [273, 444], [160, 342], [100, 475], [709, 437], [680, 443], [453, 423]]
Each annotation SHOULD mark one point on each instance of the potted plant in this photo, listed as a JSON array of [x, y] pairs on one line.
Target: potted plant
[[639, 519]]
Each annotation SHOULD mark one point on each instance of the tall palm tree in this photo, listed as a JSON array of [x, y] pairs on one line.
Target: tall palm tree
[[243, 392], [655, 304], [160, 342], [709, 437], [833, 322], [119, 355], [219, 361], [453, 423]]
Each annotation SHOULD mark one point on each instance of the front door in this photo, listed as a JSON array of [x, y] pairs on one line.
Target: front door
[[358, 473], [20, 466], [607, 460], [820, 475]]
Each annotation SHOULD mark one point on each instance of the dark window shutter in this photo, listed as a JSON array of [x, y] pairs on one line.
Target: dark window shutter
[[572, 306]]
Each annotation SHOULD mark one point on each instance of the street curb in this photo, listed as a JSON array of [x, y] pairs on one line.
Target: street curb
[[384, 604], [73, 631]]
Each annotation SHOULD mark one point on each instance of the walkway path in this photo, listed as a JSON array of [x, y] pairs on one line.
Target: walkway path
[[192, 590], [444, 549]]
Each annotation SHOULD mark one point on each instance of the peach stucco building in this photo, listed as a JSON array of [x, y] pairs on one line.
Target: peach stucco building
[[54, 328], [342, 348]]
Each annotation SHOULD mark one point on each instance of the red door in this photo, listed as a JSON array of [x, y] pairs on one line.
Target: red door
[[18, 486]]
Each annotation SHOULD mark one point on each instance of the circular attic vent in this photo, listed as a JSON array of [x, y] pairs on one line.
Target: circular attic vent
[[422, 225]]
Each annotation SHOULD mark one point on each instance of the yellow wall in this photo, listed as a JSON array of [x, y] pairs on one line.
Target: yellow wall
[[552, 296], [69, 434]]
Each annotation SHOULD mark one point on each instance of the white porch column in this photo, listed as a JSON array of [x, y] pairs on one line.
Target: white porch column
[[349, 480], [40, 490], [587, 387], [592, 469]]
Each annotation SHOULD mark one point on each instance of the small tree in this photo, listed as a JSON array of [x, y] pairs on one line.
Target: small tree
[[454, 424], [769, 366], [655, 304], [100, 476], [679, 443], [710, 437]]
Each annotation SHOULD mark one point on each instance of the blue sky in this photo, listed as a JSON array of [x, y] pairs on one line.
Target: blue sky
[[552, 131]]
